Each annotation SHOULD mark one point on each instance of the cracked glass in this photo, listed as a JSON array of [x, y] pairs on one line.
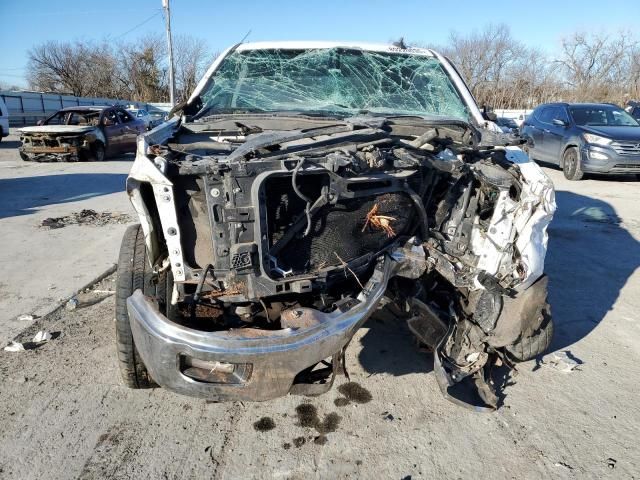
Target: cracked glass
[[334, 80]]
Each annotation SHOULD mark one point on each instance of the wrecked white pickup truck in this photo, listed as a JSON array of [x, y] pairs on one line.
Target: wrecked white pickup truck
[[305, 185]]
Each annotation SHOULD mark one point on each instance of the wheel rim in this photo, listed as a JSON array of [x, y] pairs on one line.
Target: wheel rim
[[570, 163]]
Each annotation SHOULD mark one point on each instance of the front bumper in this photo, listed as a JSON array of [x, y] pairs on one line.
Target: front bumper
[[51, 154], [274, 358], [597, 159]]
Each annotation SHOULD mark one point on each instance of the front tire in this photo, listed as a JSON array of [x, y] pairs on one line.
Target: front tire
[[571, 164], [97, 152], [535, 343], [134, 272]]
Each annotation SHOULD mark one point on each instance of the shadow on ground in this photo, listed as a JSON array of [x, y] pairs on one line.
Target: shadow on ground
[[390, 347], [591, 256], [9, 144], [24, 195]]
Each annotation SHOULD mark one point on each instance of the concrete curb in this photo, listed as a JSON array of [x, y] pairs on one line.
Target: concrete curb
[[62, 302]]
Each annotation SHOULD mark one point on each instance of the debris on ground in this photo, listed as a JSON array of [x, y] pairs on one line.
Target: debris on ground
[[26, 317], [41, 336], [72, 304], [14, 347], [564, 361], [86, 217]]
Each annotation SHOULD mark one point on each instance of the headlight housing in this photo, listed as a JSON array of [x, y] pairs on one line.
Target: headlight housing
[[596, 139]]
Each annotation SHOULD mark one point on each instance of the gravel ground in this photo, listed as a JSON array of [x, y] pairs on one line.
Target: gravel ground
[[65, 414]]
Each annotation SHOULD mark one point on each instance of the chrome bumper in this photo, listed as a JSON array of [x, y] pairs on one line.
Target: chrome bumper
[[274, 360]]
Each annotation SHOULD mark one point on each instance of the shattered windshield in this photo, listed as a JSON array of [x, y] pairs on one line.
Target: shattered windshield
[[336, 80]]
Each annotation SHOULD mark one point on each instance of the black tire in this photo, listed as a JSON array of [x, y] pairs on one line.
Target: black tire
[[571, 164], [536, 343], [97, 153], [134, 273], [24, 157]]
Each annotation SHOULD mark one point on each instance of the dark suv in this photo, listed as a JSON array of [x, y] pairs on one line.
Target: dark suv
[[583, 138]]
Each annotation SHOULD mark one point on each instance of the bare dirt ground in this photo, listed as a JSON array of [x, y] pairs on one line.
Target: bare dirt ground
[[41, 265], [64, 413]]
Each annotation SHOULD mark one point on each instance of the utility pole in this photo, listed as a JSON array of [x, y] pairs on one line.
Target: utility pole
[[172, 85]]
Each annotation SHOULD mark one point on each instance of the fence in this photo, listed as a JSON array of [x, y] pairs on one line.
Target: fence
[[26, 108]]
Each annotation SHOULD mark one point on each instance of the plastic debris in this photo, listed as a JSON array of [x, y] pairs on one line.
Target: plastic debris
[[25, 318], [72, 304], [14, 347], [564, 362], [41, 336]]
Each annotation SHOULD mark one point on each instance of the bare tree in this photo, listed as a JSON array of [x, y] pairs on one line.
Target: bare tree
[[192, 58], [135, 71], [59, 67], [142, 73], [599, 67]]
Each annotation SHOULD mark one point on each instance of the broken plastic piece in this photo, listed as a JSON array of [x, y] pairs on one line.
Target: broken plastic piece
[[561, 361], [25, 318], [72, 304], [14, 347], [41, 336]]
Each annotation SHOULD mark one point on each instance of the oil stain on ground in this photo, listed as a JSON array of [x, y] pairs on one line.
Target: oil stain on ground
[[299, 441], [353, 392], [308, 417], [264, 424]]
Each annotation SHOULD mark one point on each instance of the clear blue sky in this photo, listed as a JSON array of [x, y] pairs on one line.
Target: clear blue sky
[[24, 23]]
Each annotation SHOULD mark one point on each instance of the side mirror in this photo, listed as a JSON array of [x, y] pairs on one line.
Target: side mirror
[[40, 122], [489, 115], [108, 122], [560, 123]]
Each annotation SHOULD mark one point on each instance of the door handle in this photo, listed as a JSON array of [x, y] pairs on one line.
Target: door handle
[[546, 130]]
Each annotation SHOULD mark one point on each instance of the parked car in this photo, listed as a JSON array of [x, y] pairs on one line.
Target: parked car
[[81, 133], [302, 186], [4, 120], [584, 138], [508, 125], [150, 121]]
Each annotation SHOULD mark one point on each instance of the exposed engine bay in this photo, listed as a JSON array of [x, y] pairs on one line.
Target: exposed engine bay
[[263, 224], [51, 146]]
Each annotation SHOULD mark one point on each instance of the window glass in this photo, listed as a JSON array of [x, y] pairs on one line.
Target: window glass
[[601, 115], [111, 116], [57, 119], [545, 115], [334, 80], [83, 118], [124, 116], [560, 113]]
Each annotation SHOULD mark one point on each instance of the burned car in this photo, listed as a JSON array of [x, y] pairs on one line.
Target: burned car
[[302, 187], [81, 134]]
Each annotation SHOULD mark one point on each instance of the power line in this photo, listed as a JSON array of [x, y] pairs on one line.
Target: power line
[[140, 24]]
